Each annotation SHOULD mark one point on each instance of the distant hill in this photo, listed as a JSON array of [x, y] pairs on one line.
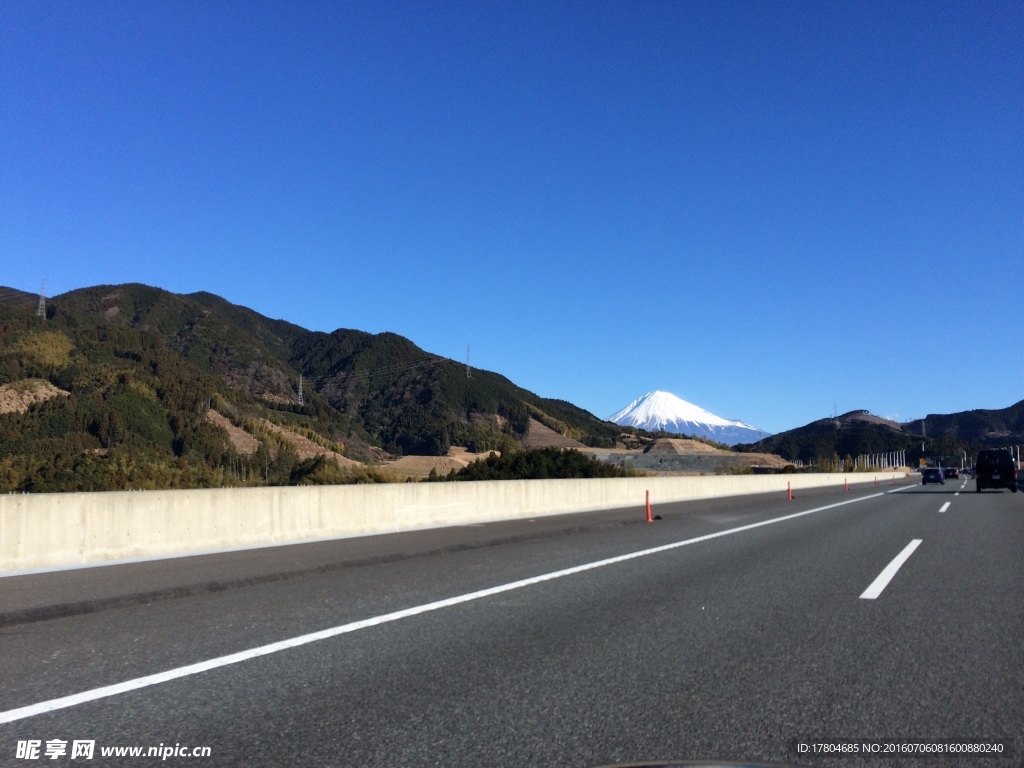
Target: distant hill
[[141, 369], [991, 427], [862, 433]]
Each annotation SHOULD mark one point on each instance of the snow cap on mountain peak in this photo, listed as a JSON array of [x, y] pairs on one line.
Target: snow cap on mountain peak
[[664, 412]]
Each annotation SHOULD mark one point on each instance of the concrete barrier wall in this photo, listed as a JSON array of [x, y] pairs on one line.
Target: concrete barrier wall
[[40, 530]]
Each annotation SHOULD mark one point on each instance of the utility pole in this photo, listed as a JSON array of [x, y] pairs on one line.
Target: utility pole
[[469, 374], [41, 310]]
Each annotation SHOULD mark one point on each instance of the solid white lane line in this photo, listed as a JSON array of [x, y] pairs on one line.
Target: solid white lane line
[[945, 506], [43, 707], [879, 584]]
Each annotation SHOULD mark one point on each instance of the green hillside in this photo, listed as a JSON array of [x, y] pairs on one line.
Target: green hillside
[[140, 368]]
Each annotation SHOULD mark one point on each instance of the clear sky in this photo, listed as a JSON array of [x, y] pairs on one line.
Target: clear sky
[[770, 209]]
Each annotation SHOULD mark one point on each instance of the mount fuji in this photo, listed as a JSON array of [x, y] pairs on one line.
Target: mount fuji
[[664, 412]]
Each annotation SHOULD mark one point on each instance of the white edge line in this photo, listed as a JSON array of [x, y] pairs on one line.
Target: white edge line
[[880, 583], [84, 697]]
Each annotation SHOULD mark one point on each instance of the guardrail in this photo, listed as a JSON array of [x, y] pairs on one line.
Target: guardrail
[[46, 530]]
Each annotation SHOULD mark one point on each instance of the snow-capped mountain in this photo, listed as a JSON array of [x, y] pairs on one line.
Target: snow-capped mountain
[[664, 412]]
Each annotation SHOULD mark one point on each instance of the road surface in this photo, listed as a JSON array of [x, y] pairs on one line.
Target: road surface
[[729, 629]]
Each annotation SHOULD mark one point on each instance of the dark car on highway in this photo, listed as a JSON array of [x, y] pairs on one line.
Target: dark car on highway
[[932, 475], [995, 469], [951, 472]]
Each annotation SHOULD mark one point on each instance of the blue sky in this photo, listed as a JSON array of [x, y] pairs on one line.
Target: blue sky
[[770, 209]]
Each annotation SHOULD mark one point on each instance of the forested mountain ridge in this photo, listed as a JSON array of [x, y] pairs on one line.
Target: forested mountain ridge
[[140, 369], [934, 438], [131, 386]]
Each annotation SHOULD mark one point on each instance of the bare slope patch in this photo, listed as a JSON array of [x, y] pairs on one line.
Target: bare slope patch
[[19, 396], [307, 449], [241, 441], [418, 467], [683, 447], [540, 436]]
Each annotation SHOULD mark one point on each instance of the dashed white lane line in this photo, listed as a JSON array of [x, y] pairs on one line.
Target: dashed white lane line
[[945, 506], [879, 584], [64, 702]]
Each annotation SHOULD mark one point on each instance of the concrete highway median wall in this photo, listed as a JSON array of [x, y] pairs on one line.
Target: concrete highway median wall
[[42, 530]]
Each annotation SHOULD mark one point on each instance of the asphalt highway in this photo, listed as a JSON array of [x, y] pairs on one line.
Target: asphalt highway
[[757, 628]]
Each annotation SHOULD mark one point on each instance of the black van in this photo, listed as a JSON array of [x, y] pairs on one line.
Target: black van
[[995, 469]]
